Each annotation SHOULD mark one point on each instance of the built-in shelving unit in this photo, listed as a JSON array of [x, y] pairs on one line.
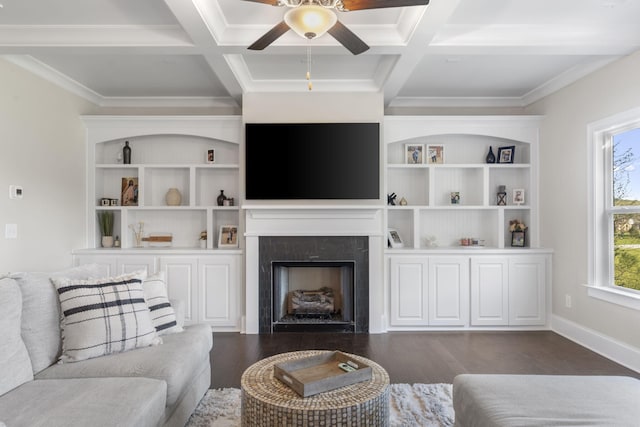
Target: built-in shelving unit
[[433, 281], [173, 157], [170, 152], [430, 220]]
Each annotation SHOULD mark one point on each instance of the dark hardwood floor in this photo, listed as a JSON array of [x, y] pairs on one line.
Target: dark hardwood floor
[[421, 357]]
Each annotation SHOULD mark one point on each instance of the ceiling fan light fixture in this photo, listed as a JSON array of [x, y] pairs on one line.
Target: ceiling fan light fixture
[[310, 21]]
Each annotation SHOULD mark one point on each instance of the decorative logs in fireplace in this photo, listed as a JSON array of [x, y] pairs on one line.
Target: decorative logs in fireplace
[[311, 303]]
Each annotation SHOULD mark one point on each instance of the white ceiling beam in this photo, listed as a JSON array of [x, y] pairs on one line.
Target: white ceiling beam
[[193, 20], [434, 18], [92, 35]]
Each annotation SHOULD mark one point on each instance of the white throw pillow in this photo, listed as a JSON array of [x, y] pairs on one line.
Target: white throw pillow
[[103, 316], [41, 311], [163, 315], [15, 364]]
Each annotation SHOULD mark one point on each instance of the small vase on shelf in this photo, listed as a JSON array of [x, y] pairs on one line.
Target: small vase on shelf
[[221, 198], [173, 197], [126, 153], [491, 158]]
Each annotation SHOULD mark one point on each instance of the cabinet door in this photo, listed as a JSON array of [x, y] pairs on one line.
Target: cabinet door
[[449, 291], [181, 275], [131, 263], [527, 290], [489, 291], [408, 297], [219, 289], [107, 263]]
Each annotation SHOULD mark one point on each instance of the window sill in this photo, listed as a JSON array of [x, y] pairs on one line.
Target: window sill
[[615, 296]]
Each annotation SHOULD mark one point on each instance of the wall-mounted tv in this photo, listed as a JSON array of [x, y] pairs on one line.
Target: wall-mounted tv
[[314, 161]]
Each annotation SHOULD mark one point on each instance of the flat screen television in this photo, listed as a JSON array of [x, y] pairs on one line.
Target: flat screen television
[[314, 161]]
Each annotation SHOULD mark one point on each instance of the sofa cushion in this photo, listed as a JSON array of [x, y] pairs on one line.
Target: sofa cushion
[[15, 364], [85, 402], [41, 312], [176, 361], [545, 400], [163, 315], [103, 316]]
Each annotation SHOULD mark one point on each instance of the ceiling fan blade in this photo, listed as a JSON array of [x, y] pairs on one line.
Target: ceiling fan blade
[[348, 39], [379, 4], [270, 36], [271, 2]]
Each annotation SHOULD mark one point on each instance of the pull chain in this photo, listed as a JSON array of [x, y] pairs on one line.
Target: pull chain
[[309, 84]]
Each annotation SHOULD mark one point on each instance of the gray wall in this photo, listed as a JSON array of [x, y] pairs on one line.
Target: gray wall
[[42, 144], [564, 191]]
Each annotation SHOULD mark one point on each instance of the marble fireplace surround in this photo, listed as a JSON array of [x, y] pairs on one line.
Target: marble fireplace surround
[[318, 222]]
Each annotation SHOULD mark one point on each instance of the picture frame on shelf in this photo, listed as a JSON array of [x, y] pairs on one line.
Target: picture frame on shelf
[[228, 236], [211, 156], [518, 196], [129, 191], [455, 197], [506, 154], [518, 238], [435, 154], [395, 241], [414, 154]]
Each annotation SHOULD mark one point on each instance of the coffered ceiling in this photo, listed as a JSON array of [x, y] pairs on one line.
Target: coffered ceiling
[[194, 52]]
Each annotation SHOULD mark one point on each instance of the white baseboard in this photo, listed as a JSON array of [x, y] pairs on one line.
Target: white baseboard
[[619, 352]]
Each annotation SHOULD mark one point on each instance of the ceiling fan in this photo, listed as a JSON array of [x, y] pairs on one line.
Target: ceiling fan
[[313, 18]]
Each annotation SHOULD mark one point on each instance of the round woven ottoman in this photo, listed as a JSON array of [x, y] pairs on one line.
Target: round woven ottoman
[[266, 401]]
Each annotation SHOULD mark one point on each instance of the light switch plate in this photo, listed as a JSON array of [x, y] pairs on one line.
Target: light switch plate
[[11, 231], [15, 192]]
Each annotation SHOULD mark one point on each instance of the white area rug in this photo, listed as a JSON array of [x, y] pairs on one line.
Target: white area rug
[[423, 405]]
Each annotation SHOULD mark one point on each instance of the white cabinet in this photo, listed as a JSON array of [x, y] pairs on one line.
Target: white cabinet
[[409, 293], [448, 291], [113, 265], [429, 291], [209, 285], [508, 290], [489, 291], [527, 296], [485, 290], [181, 273], [218, 290]]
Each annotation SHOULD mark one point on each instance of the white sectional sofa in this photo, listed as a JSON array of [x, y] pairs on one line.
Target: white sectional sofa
[[157, 385], [546, 400]]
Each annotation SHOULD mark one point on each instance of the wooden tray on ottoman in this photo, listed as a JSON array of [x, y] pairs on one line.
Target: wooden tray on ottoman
[[317, 374]]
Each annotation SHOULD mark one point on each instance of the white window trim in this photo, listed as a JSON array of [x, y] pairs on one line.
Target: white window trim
[[599, 246]]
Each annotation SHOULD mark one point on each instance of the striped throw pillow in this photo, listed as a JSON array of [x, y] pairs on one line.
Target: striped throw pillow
[[103, 316], [163, 315]]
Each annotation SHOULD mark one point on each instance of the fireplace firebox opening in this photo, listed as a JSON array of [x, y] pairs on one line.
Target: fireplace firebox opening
[[317, 293], [329, 281]]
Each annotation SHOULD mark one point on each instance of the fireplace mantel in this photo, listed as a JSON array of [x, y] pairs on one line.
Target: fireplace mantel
[[299, 220], [315, 220]]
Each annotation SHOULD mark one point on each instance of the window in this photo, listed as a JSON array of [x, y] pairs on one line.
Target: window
[[614, 216]]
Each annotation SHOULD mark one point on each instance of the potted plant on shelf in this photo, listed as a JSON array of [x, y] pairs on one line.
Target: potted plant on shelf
[[105, 220]]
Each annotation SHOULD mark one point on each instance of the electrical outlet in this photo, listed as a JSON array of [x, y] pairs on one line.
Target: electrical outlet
[[567, 301], [11, 231]]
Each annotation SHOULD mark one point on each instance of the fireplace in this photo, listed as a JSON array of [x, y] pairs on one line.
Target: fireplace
[[313, 292], [313, 283]]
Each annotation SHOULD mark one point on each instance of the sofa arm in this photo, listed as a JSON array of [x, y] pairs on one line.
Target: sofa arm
[[179, 307]]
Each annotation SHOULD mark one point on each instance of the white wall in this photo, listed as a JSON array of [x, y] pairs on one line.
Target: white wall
[[564, 192], [42, 144]]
